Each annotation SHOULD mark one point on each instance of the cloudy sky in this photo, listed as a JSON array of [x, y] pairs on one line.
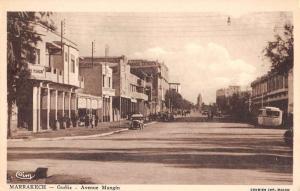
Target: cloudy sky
[[203, 51]]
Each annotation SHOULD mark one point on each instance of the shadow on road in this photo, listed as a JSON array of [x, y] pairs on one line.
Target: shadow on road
[[265, 154]]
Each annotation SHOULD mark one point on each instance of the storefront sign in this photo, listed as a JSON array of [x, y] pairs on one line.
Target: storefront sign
[[36, 70]]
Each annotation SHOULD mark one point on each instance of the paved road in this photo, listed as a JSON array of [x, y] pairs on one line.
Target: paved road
[[166, 153]]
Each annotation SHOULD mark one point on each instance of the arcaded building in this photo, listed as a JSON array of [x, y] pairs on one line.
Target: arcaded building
[[273, 89], [54, 78]]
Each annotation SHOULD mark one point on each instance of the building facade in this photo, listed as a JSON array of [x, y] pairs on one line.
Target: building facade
[[175, 87], [98, 84], [156, 75], [273, 89], [54, 78], [129, 89]]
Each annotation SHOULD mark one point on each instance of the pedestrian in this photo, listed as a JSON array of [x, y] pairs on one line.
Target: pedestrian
[[93, 121], [86, 120], [96, 120]]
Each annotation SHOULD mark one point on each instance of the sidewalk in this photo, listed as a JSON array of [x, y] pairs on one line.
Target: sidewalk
[[102, 128]]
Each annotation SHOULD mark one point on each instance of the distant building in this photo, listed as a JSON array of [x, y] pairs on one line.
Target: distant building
[[223, 96], [273, 89], [129, 88], [97, 95], [175, 87], [156, 75]]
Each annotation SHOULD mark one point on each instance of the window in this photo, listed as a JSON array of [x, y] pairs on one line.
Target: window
[[37, 56], [114, 70], [286, 81], [33, 56], [273, 113], [73, 65], [109, 82], [103, 80], [66, 56]]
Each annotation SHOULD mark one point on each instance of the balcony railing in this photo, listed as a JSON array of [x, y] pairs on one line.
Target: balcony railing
[[138, 95], [108, 91], [54, 75], [39, 72]]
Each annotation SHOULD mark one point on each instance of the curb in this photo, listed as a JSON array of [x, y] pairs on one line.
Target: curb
[[68, 138], [74, 137]]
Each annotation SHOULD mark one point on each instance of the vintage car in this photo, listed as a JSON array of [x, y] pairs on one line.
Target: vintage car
[[137, 121]]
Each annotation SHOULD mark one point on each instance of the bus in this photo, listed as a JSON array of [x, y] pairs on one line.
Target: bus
[[270, 116]]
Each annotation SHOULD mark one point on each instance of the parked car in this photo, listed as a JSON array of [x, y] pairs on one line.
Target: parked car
[[137, 121]]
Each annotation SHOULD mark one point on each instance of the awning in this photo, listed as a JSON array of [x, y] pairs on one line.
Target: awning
[[52, 45], [94, 104], [81, 103], [133, 100]]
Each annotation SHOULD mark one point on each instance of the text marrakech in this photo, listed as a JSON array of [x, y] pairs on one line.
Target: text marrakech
[[27, 186]]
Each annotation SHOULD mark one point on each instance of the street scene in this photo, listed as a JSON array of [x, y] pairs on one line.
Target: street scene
[[150, 98], [164, 153]]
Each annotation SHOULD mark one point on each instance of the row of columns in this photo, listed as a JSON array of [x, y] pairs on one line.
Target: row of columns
[[107, 109], [38, 105]]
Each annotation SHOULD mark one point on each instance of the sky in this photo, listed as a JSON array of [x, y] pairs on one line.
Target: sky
[[203, 50]]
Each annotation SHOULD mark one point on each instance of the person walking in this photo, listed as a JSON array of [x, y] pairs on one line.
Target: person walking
[[86, 120], [96, 120], [93, 121]]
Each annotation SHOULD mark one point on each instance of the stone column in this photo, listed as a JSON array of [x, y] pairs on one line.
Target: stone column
[[63, 104], [110, 109], [48, 106], [34, 109], [39, 108], [56, 95], [70, 97]]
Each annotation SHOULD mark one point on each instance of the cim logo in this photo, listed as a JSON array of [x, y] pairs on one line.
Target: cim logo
[[24, 175]]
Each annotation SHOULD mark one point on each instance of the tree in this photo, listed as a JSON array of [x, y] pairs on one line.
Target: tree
[[21, 42], [239, 106], [281, 51], [173, 99]]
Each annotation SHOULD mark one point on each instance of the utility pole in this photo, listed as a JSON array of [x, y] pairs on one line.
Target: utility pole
[[120, 107], [92, 54], [62, 32]]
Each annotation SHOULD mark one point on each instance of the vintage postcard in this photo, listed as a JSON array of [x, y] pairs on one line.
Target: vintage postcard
[[149, 95]]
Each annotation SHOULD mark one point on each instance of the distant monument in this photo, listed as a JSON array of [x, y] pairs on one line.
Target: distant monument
[[199, 102]]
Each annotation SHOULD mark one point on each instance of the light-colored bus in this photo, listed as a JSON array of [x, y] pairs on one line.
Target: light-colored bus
[[270, 116]]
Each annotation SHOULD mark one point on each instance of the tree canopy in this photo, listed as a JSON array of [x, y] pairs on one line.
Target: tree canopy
[[174, 100], [281, 51]]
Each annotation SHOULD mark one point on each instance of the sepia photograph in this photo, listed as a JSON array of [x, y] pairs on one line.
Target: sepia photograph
[[149, 98]]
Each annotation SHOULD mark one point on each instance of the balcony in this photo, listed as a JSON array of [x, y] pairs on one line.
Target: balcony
[[137, 95], [108, 91], [54, 75], [51, 74]]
